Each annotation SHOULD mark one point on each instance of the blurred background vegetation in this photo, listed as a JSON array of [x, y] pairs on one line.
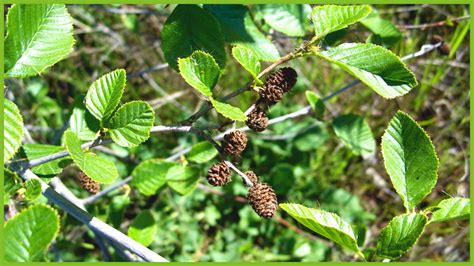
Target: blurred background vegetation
[[301, 158]]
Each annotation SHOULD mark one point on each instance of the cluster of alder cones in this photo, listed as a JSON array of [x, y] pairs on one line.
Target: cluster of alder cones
[[261, 196]]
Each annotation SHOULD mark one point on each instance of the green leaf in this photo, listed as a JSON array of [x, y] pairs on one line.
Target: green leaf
[[105, 93], [97, 168], [388, 32], [143, 228], [132, 123], [11, 184], [33, 189], [12, 129], [201, 71], [182, 179], [316, 104], [400, 235], [190, 28], [150, 175], [247, 58], [35, 151], [38, 37], [202, 152], [83, 123], [239, 29], [229, 111], [410, 159], [450, 209], [324, 223], [289, 19], [330, 18], [29, 234], [355, 132], [375, 66]]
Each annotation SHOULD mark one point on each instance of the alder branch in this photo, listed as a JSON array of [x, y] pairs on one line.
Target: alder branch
[[432, 25]]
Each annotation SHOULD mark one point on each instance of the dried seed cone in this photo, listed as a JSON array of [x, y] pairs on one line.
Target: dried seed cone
[[285, 78], [235, 142], [271, 94], [88, 184], [252, 176], [218, 174], [257, 120], [263, 200]]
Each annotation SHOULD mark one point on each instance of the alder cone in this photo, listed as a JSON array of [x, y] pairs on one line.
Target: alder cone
[[257, 120], [263, 200], [88, 184], [271, 94], [284, 78], [235, 142], [218, 174], [252, 176]]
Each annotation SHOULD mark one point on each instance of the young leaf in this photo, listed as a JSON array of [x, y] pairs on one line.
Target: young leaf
[[35, 151], [38, 37], [355, 132], [83, 123], [400, 235], [182, 179], [375, 66], [388, 32], [202, 152], [190, 28], [324, 223], [289, 19], [33, 189], [316, 104], [28, 234], [150, 175], [247, 59], [143, 228], [451, 209], [11, 184], [229, 111], [201, 71], [132, 123], [97, 168], [105, 93], [12, 129], [330, 18], [239, 29], [410, 159]]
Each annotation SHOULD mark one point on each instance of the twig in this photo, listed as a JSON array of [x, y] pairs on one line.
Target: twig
[[147, 70], [431, 25]]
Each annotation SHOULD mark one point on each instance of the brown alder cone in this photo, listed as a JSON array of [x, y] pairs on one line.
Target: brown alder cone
[[263, 200], [284, 78], [234, 142], [218, 174], [271, 94], [257, 120], [88, 184], [252, 176], [444, 49]]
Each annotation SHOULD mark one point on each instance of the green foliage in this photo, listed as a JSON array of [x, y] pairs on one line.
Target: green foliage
[[248, 59], [316, 103], [330, 18], [190, 28], [375, 66], [451, 209], [388, 33], [202, 152], [182, 179], [11, 184], [97, 168], [143, 228], [54, 167], [28, 234], [201, 71], [355, 132], [104, 95], [131, 124], [12, 129], [38, 36], [410, 159], [229, 111], [239, 29], [83, 123], [33, 189], [290, 19], [324, 223], [400, 235]]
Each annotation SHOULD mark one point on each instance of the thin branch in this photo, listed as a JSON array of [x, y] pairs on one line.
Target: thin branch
[[432, 25]]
